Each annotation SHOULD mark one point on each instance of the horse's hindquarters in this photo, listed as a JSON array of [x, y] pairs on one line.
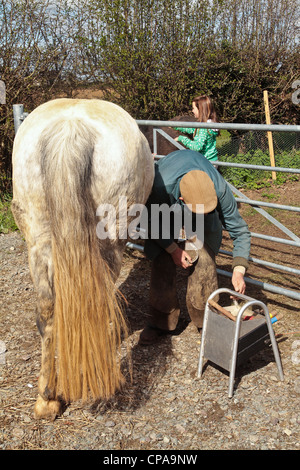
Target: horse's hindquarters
[[69, 157]]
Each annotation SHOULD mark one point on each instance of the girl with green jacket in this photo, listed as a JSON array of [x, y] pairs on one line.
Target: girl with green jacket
[[204, 140]]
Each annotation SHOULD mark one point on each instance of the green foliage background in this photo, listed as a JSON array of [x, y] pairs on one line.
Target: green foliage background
[[150, 56], [256, 179]]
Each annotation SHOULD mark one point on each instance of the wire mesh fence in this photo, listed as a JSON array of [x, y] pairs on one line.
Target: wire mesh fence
[[252, 148], [251, 141]]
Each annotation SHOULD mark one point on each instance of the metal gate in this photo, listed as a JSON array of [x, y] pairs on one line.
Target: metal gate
[[293, 240]]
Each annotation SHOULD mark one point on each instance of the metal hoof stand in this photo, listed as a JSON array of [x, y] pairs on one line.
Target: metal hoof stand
[[229, 343]]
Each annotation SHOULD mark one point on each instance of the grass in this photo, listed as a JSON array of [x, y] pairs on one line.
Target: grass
[[7, 222]]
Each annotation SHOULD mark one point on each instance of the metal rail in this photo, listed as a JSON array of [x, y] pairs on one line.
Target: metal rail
[[294, 239], [222, 125], [262, 285], [20, 115]]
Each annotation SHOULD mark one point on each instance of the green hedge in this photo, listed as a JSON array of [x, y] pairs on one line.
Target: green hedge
[[7, 222], [255, 179]]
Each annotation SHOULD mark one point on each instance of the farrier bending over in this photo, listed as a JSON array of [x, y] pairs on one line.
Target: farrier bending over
[[187, 178]]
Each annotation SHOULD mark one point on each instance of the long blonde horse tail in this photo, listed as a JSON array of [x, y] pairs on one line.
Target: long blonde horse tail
[[88, 318]]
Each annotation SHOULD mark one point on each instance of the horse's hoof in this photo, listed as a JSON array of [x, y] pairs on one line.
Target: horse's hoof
[[48, 409]]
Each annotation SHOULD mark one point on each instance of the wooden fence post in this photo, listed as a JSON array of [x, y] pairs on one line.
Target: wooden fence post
[[270, 137]]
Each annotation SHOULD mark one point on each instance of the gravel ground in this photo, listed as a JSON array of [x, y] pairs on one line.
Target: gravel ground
[[165, 406]]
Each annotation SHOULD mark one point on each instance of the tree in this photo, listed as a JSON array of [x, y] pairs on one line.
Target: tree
[[35, 42], [150, 56], [153, 57]]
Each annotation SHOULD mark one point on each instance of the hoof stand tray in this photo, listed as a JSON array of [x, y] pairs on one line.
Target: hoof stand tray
[[229, 342]]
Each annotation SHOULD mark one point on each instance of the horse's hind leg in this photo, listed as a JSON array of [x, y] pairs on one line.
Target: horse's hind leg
[[40, 260]]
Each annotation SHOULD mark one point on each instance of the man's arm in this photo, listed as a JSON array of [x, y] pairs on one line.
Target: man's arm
[[241, 237]]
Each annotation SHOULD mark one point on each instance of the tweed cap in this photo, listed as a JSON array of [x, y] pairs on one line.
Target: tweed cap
[[196, 187]]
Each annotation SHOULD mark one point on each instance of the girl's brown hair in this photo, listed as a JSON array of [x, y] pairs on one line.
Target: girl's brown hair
[[206, 108]]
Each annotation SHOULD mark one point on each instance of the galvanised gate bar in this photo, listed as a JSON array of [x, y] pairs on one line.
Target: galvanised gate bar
[[293, 240]]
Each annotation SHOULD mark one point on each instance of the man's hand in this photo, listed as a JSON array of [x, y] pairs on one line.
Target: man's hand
[[238, 282], [181, 258]]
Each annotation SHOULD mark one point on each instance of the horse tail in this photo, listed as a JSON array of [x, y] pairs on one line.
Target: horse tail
[[88, 318]]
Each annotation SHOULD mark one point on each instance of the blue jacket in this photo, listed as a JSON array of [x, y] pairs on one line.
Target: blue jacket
[[168, 173]]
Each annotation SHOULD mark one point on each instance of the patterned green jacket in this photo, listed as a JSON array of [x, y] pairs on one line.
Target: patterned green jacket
[[204, 141]]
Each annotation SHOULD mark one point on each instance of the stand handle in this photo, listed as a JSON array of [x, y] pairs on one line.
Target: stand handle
[[221, 309]]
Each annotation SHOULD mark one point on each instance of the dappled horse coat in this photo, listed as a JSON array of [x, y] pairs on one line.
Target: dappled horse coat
[[69, 157]]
